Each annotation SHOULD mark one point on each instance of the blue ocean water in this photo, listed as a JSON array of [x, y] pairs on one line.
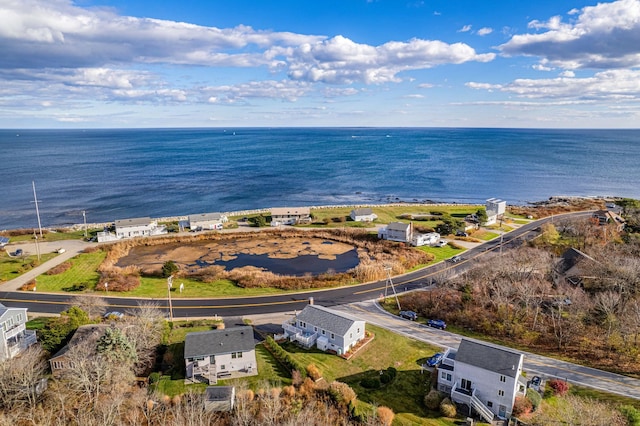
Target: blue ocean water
[[115, 174]]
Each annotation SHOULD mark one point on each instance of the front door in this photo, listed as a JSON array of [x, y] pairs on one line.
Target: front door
[[502, 411], [466, 384]]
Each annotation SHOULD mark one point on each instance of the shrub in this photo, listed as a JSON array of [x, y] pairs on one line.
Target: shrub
[[169, 268], [385, 415], [341, 393], [58, 269], [392, 372], [632, 414], [432, 400], [154, 377], [370, 383], [313, 372], [522, 406], [558, 387], [447, 408], [385, 378], [30, 286], [534, 397]]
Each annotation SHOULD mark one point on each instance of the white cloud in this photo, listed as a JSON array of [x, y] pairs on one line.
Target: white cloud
[[567, 73], [342, 61], [415, 96], [465, 29], [425, 85], [603, 36], [270, 89], [614, 85], [485, 31]]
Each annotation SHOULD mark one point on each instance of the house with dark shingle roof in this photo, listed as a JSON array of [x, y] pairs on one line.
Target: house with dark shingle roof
[[397, 231], [326, 328], [223, 353], [484, 377]]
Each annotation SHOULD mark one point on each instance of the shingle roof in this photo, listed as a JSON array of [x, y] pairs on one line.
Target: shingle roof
[[327, 319], [136, 221], [204, 343], [205, 217], [218, 393], [498, 360], [89, 332], [398, 226], [364, 211]]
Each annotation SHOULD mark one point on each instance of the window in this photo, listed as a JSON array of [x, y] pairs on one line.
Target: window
[[358, 330], [212, 359], [223, 367], [315, 329], [333, 336], [503, 379], [350, 335], [500, 392], [444, 375], [449, 377], [489, 404], [235, 355], [323, 332]]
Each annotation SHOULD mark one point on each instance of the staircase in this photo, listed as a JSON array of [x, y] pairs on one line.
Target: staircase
[[481, 409]]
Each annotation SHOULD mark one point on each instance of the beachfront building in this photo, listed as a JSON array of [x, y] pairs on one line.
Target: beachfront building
[[495, 210], [290, 215], [138, 227], [397, 231], [329, 330], [364, 214], [14, 336], [204, 221], [484, 377], [223, 353]]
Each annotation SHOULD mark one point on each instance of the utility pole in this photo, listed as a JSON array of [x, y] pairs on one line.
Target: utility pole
[[37, 246], [169, 285], [35, 200], [389, 283], [84, 215]]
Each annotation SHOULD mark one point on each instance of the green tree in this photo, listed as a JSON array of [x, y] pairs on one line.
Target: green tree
[[449, 225], [114, 346], [482, 215], [258, 221], [169, 268]]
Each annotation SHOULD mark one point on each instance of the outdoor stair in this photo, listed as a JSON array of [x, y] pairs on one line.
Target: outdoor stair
[[481, 409]]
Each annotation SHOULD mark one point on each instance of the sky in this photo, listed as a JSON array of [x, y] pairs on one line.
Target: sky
[[311, 63]]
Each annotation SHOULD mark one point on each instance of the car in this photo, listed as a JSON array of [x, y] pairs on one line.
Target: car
[[455, 259], [461, 234], [435, 360], [18, 252], [437, 323], [60, 250], [113, 315], [410, 315], [441, 243], [535, 383]]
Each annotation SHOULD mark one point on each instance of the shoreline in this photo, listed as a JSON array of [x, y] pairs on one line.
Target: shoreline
[[550, 200]]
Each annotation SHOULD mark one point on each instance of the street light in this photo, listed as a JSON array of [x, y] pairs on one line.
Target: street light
[[169, 285], [106, 287]]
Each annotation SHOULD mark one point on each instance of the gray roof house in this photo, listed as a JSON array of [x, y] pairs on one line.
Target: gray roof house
[[223, 353], [364, 214], [219, 398], [486, 378], [397, 231], [14, 336], [329, 330], [138, 227], [207, 221]]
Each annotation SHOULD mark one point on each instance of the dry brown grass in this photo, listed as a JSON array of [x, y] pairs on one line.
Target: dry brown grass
[[59, 268], [555, 206]]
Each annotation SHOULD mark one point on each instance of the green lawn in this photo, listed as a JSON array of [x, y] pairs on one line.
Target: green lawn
[[82, 274], [55, 236], [441, 253], [484, 235], [13, 267]]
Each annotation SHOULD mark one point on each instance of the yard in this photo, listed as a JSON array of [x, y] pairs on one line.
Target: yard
[[12, 267]]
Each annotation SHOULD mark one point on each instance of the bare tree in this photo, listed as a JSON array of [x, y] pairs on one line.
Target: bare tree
[[94, 306], [21, 378], [144, 327]]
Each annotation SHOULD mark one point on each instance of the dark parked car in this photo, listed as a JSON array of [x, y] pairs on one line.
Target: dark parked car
[[455, 259], [461, 234], [410, 315], [437, 323], [435, 360], [18, 252]]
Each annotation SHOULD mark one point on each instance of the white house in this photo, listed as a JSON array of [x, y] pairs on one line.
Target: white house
[[397, 231], [207, 221], [429, 239], [14, 336], [138, 227], [495, 209], [364, 214], [484, 377], [290, 215], [228, 352], [326, 328]]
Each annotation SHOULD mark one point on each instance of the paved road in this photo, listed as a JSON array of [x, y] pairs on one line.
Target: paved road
[[50, 303], [534, 364]]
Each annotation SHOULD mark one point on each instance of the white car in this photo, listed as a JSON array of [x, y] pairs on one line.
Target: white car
[[60, 251], [441, 243]]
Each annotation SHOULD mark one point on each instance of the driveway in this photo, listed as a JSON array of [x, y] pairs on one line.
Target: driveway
[[534, 364]]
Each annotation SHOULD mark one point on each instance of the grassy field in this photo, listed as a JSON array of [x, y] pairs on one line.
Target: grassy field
[[13, 267], [441, 253], [54, 236], [82, 274]]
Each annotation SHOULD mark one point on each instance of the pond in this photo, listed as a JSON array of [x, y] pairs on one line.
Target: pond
[[297, 266]]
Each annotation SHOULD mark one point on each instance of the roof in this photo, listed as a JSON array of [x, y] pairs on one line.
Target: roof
[[205, 343], [398, 226], [491, 358], [327, 319], [6, 310], [136, 221], [218, 393], [205, 217], [89, 332], [571, 258], [364, 211], [283, 211]]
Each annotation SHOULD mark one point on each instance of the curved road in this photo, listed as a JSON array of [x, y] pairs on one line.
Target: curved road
[[49, 303]]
